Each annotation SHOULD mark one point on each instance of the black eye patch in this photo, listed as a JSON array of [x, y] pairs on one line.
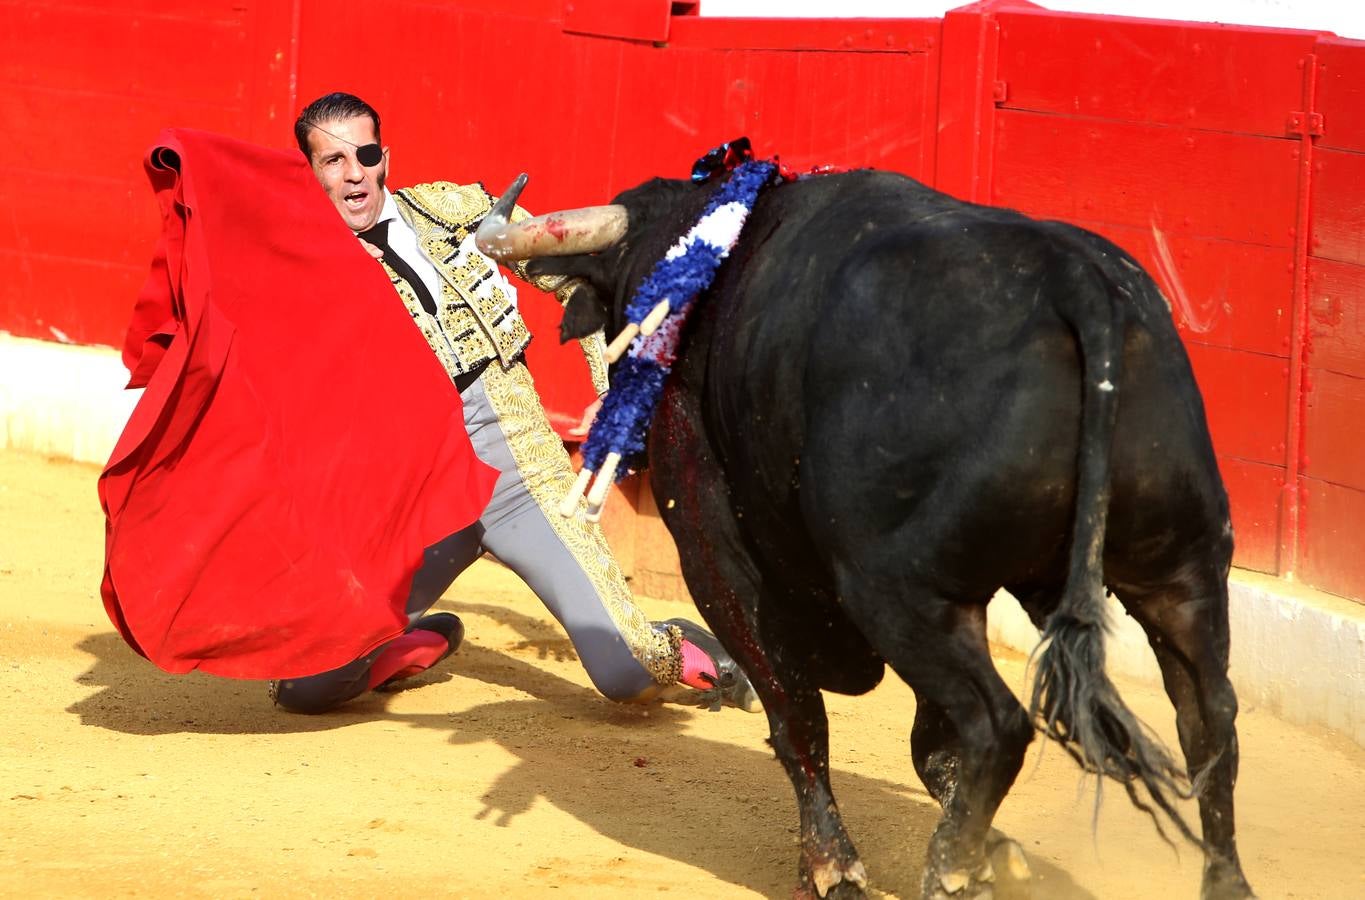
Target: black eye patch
[[369, 155]]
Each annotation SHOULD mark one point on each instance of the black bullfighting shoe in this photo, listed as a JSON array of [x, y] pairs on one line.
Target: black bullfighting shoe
[[729, 686], [447, 625]]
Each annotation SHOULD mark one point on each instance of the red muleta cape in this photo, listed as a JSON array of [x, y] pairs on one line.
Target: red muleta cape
[[297, 444]]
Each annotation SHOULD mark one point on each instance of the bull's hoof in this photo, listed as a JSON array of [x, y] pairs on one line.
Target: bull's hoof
[[1013, 874], [832, 879], [1224, 881], [959, 884]]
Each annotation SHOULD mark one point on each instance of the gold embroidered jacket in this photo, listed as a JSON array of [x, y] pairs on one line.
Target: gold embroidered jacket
[[476, 315]]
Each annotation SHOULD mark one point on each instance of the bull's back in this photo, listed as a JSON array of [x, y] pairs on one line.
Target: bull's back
[[898, 365], [801, 274], [950, 419]]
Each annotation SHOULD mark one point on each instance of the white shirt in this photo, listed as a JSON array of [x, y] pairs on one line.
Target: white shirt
[[403, 241]]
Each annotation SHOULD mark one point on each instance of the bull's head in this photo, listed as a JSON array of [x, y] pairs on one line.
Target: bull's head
[[594, 247], [603, 252]]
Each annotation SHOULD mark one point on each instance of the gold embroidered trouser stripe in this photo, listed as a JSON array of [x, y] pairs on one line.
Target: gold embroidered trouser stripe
[[547, 475]]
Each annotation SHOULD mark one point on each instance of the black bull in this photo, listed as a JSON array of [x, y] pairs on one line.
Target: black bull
[[891, 404]]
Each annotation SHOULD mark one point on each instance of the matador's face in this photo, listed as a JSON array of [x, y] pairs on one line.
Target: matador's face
[[357, 190]]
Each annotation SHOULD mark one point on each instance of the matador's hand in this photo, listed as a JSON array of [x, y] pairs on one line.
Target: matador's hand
[[588, 415], [371, 249]]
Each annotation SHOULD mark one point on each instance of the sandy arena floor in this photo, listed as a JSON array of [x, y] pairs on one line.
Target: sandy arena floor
[[503, 774]]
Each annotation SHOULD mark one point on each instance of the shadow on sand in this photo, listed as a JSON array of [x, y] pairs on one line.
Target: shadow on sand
[[609, 765]]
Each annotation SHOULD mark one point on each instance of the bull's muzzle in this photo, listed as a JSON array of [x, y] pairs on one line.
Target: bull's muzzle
[[569, 232]]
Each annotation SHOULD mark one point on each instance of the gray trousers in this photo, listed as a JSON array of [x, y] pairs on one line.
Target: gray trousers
[[566, 562]]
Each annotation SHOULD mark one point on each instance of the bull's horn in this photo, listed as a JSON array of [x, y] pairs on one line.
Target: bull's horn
[[502, 210], [564, 233]]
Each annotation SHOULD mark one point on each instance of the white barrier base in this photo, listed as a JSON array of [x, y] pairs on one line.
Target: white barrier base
[[62, 400], [1297, 652]]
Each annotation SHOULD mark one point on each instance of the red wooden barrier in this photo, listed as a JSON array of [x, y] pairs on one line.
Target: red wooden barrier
[[1332, 482], [1230, 160]]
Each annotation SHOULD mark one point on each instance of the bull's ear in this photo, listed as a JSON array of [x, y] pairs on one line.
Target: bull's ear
[[583, 315]]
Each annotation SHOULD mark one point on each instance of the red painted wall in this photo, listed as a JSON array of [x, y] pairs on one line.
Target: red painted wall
[[1230, 160]]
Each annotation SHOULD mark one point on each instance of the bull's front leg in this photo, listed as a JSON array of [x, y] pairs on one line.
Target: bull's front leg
[[729, 587], [829, 865]]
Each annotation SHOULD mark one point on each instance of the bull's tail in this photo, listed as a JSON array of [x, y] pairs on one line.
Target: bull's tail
[[1074, 701]]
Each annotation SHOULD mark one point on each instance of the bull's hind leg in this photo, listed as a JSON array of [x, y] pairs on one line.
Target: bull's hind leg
[[936, 751], [1187, 625], [970, 732]]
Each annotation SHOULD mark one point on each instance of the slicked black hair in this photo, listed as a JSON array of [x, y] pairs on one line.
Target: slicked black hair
[[329, 107]]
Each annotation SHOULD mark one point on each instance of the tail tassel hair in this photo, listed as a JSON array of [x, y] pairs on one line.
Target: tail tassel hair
[[1075, 703]]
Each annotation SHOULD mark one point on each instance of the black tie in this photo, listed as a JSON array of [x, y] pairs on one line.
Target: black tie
[[379, 236]]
